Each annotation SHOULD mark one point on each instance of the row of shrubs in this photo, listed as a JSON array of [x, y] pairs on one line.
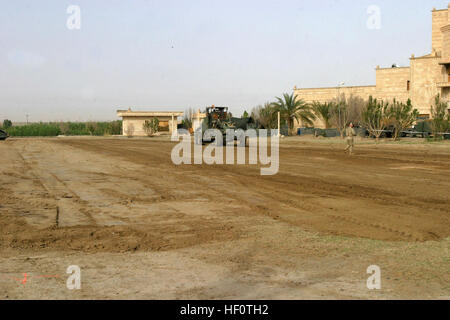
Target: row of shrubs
[[53, 129]]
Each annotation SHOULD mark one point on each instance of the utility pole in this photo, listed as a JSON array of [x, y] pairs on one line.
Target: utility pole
[[27, 117], [173, 125], [279, 128], [339, 103]]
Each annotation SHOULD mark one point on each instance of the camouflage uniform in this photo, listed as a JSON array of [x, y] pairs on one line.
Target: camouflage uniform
[[350, 133]]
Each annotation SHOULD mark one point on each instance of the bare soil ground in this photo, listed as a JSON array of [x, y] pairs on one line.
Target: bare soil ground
[[140, 227]]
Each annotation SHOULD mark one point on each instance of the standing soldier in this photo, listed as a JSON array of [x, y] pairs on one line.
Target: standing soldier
[[350, 133]]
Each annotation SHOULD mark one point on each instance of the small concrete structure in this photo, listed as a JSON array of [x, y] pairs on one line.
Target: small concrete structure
[[197, 119], [133, 121]]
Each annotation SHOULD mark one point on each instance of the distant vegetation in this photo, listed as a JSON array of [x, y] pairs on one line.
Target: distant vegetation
[[151, 126], [440, 122], [7, 124], [186, 123], [291, 110], [53, 129], [265, 116], [378, 117]]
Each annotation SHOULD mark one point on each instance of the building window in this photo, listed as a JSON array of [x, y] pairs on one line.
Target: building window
[[408, 85]]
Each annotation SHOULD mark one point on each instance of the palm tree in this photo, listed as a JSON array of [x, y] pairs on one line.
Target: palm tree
[[292, 109], [324, 111]]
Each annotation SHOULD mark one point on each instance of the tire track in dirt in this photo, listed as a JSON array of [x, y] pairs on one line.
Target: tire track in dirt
[[65, 199], [289, 198], [158, 170], [157, 234], [165, 194], [290, 193]]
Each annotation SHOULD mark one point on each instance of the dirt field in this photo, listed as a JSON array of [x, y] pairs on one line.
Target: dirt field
[[140, 227]]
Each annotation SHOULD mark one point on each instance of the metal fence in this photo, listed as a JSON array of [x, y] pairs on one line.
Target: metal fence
[[362, 132]]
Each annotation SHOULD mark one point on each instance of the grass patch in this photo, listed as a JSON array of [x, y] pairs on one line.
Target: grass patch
[[54, 129]]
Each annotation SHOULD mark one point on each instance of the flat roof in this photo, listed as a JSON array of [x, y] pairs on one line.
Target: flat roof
[[344, 87], [434, 10], [128, 113], [392, 68]]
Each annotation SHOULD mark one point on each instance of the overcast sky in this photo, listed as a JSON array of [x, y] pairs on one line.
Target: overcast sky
[[175, 54]]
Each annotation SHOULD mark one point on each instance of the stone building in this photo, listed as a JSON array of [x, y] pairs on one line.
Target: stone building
[[133, 121], [426, 76]]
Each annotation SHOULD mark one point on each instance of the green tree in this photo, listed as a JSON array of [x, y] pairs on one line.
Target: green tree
[[440, 117], [402, 116], [7, 124], [324, 112], [292, 109], [187, 119], [64, 127], [116, 127], [151, 126], [265, 116], [376, 116], [92, 127], [245, 115]]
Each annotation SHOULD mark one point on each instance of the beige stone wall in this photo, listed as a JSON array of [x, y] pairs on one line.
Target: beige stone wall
[[425, 74], [392, 83], [446, 42], [439, 19], [327, 94], [134, 125]]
